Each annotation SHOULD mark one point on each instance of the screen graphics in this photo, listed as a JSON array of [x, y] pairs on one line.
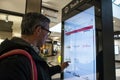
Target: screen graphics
[[80, 46]]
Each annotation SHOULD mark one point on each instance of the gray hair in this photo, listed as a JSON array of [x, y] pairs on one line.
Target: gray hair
[[31, 20]]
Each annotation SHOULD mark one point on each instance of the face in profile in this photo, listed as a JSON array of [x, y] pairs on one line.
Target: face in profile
[[44, 33]]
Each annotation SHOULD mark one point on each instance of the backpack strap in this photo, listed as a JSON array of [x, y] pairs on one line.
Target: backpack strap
[[25, 53]]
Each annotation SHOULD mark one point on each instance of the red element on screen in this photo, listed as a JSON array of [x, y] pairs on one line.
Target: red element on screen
[[79, 30]]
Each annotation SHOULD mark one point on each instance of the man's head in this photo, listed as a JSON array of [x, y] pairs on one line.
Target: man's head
[[31, 20], [35, 25]]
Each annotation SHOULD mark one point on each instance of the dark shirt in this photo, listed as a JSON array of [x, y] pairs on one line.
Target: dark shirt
[[17, 67]]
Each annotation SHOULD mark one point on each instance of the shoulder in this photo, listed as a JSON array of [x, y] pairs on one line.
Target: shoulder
[[15, 60], [17, 66]]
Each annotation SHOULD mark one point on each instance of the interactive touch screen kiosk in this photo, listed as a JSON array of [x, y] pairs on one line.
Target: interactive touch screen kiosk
[[82, 41], [80, 46]]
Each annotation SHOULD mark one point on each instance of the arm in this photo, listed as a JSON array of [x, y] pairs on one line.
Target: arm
[[54, 69], [58, 68]]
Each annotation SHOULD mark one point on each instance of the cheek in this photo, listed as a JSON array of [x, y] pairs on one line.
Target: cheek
[[42, 39]]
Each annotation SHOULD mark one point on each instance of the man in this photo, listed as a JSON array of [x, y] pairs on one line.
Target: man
[[34, 30]]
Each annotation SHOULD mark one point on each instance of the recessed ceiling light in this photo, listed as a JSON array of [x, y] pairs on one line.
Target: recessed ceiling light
[[113, 21]]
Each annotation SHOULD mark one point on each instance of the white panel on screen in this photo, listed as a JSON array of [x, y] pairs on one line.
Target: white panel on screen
[[80, 46]]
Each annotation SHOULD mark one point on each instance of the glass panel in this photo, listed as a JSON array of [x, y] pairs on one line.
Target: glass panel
[[116, 24]]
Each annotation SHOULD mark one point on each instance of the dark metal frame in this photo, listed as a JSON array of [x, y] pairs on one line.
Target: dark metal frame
[[106, 29]]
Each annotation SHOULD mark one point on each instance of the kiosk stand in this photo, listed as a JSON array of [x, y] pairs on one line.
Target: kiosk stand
[[87, 40]]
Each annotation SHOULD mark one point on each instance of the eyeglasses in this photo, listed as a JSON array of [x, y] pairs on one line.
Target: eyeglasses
[[49, 32]]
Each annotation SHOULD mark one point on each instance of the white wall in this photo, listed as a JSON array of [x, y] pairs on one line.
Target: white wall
[[13, 5]]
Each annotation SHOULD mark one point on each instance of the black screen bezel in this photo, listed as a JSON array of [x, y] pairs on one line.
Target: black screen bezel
[[81, 7]]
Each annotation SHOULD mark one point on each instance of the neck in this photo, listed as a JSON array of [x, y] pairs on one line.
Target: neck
[[29, 39]]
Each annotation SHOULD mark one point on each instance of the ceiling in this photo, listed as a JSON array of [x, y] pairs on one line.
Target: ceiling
[[55, 4]]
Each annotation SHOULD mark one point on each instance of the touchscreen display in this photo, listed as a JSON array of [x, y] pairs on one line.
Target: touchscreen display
[[80, 46]]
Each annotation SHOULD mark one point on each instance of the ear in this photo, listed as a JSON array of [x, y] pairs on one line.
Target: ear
[[37, 31]]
